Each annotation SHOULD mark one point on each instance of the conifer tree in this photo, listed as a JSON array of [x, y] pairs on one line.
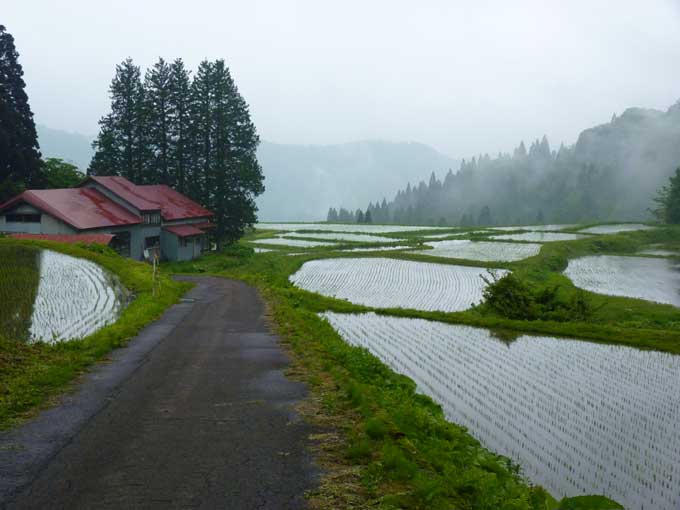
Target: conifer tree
[[157, 87], [179, 131], [20, 164], [121, 140]]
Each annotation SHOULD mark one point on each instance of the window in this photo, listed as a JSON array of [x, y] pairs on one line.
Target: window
[[121, 243], [152, 218], [152, 242], [184, 242], [23, 218]]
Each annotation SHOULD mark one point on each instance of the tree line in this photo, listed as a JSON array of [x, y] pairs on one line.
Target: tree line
[[192, 133], [610, 174]]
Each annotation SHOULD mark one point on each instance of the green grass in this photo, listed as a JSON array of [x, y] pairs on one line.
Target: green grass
[[19, 278], [406, 454], [30, 374]]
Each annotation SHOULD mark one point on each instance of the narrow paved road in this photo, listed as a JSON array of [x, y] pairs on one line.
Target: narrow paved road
[[203, 421]]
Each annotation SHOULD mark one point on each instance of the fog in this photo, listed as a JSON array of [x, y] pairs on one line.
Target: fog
[[465, 77]]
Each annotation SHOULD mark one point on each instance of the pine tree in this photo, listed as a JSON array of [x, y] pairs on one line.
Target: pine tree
[[201, 105], [20, 164], [179, 131], [368, 218], [668, 201], [158, 108], [121, 140], [236, 172]]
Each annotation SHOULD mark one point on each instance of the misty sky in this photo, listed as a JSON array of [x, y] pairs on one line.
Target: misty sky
[[463, 76]]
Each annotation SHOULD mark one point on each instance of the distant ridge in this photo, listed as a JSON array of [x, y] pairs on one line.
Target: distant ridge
[[303, 180]]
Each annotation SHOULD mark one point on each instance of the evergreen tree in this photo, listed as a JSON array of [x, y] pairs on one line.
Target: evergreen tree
[[332, 216], [179, 130], [158, 90], [484, 216], [201, 107], [359, 215], [20, 164], [368, 218], [122, 132], [668, 201]]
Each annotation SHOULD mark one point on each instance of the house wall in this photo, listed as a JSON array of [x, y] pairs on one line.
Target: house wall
[[48, 224], [172, 249], [138, 233], [169, 245]]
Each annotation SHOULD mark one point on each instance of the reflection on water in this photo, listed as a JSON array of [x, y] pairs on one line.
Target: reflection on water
[[647, 278], [75, 298], [580, 418]]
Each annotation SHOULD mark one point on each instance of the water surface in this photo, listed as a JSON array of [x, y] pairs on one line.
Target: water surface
[[578, 417]]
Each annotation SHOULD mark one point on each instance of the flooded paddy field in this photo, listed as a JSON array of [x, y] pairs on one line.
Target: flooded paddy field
[[70, 298], [540, 237], [379, 248], [344, 236], [391, 283], [295, 243], [578, 417], [481, 250], [338, 227], [615, 229], [653, 279], [536, 228]]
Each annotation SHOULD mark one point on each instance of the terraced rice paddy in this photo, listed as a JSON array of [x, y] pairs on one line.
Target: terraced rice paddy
[[540, 237], [615, 229], [75, 298], [579, 418], [295, 243], [390, 283], [346, 236], [657, 252], [336, 227], [535, 228], [653, 279], [379, 248], [481, 250]]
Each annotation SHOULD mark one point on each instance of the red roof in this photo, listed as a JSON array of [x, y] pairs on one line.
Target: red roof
[[172, 204], [82, 208], [104, 239], [126, 190], [184, 230]]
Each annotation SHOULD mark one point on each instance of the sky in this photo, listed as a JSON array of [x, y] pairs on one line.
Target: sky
[[465, 77]]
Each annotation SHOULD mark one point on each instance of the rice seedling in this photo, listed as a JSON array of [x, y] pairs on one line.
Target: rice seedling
[[653, 279], [19, 279], [391, 283], [615, 229], [481, 250], [540, 237], [579, 418]]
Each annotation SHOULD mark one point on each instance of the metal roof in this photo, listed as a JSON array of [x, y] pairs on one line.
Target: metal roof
[[82, 208], [183, 230], [172, 204]]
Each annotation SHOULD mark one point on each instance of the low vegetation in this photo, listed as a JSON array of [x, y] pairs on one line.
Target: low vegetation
[[31, 373], [390, 447]]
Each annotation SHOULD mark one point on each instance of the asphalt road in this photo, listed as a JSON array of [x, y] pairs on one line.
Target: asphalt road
[[196, 414]]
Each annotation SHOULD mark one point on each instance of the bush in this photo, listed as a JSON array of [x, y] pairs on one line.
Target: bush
[[512, 298]]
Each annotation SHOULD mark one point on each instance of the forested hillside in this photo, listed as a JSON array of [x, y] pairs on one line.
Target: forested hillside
[[611, 173]]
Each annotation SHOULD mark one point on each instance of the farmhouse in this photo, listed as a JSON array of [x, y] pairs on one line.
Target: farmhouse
[[139, 220]]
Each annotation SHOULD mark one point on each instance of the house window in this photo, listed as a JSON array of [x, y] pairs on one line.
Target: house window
[[152, 218], [184, 242], [152, 242], [23, 218]]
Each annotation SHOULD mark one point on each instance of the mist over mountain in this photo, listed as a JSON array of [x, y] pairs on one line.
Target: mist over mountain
[[611, 173], [303, 180], [72, 147]]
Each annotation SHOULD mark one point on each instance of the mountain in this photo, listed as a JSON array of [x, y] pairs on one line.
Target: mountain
[[611, 173], [72, 147], [302, 181]]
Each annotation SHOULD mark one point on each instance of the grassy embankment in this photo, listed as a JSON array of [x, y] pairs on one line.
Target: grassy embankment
[[32, 373], [393, 448]]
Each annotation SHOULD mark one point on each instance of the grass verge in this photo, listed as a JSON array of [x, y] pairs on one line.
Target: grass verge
[[384, 446], [30, 374]]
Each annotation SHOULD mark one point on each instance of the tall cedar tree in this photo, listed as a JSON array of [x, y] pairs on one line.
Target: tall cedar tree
[[157, 86], [196, 136], [20, 164], [668, 201], [121, 137], [179, 130]]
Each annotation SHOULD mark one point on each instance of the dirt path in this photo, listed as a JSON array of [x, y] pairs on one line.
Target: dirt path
[[196, 414]]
